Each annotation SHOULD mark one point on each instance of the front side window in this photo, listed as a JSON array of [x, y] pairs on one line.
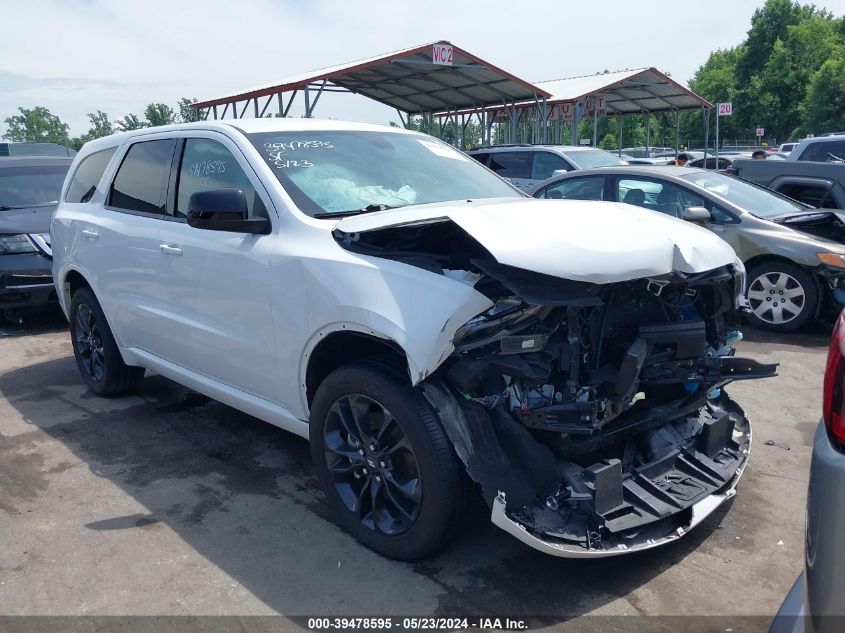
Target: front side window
[[141, 180], [31, 186], [590, 158], [328, 173], [655, 195], [546, 164], [576, 189], [207, 164], [84, 183]]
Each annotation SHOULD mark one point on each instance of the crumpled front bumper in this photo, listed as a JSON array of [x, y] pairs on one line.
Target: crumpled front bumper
[[700, 511]]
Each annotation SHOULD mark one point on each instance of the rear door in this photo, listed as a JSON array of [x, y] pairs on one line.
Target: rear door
[[119, 240], [215, 285]]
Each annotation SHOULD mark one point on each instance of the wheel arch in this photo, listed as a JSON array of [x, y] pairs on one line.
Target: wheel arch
[[72, 281], [345, 345]]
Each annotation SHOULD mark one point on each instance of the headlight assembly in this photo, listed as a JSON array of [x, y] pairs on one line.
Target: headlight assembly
[[15, 244]]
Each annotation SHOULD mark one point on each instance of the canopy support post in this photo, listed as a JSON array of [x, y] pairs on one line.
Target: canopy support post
[[677, 115], [705, 113], [619, 116]]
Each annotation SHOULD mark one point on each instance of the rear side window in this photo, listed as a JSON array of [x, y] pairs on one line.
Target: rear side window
[[814, 195], [481, 158], [825, 151], [84, 183], [511, 164], [141, 181], [207, 164]]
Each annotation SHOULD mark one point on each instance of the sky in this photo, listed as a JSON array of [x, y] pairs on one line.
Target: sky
[[79, 56]]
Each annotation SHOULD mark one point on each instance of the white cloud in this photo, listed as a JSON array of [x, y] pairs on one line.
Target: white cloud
[[77, 56]]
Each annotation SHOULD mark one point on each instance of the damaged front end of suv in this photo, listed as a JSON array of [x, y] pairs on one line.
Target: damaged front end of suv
[[591, 413]]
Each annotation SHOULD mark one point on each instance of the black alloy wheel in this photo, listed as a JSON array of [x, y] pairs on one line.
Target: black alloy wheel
[[373, 464]]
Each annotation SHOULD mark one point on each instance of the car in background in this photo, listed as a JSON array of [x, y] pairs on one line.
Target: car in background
[[527, 165], [820, 185], [35, 149], [795, 256], [815, 603], [647, 152], [822, 149], [29, 192], [786, 148], [725, 162]]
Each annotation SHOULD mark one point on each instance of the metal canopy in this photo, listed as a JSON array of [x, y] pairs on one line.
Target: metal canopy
[[626, 92], [407, 80]]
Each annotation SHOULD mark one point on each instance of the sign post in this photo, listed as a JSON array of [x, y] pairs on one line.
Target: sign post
[[760, 133], [722, 109]]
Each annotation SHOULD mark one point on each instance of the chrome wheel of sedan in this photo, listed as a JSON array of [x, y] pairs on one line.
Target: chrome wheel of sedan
[[776, 297]]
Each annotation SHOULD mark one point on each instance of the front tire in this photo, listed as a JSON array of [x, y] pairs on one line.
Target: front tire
[[95, 349], [782, 296], [384, 461]]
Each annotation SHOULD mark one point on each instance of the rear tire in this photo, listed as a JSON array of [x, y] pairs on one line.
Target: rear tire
[[97, 356], [384, 462], [783, 297]]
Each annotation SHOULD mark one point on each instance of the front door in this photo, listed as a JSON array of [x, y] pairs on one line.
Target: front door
[[215, 285]]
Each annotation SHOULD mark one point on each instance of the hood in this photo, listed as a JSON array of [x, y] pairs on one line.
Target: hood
[[594, 242], [827, 225], [30, 220]]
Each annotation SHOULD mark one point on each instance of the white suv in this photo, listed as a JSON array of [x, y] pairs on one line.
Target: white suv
[[567, 356]]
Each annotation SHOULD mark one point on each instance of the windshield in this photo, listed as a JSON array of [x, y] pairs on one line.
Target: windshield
[[589, 158], [337, 172], [31, 186], [753, 198]]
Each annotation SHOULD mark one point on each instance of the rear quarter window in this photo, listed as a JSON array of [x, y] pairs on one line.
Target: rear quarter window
[[87, 176]]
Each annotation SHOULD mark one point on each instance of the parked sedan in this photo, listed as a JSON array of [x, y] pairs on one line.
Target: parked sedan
[[815, 604], [29, 192], [795, 256]]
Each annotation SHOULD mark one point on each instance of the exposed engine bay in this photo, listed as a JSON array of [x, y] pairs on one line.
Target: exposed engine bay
[[593, 416]]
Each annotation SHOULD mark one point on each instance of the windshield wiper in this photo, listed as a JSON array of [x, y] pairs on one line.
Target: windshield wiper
[[11, 207], [370, 208]]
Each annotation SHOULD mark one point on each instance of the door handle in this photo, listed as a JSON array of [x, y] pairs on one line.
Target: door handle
[[91, 235], [170, 249]]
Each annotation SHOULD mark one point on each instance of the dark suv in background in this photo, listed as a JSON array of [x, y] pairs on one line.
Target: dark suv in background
[[29, 192]]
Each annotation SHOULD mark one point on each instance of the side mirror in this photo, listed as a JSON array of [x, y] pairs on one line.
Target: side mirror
[[224, 210], [699, 215]]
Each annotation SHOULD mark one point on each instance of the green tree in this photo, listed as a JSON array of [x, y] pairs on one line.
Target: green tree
[[188, 114], [36, 125], [768, 76], [129, 122], [100, 126], [159, 114], [824, 106]]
